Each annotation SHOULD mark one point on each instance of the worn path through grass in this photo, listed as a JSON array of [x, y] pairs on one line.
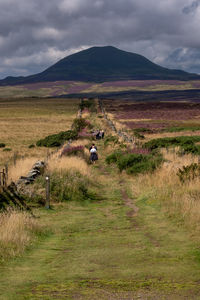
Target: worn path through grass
[[105, 250]]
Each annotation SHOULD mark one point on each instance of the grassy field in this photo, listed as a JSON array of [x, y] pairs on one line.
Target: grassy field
[[52, 89], [24, 121], [101, 250], [132, 237]]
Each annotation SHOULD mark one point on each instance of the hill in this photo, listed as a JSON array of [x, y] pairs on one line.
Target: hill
[[101, 64]]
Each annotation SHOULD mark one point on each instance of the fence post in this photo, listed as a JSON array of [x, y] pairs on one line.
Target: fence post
[[6, 170], [4, 178], [47, 204]]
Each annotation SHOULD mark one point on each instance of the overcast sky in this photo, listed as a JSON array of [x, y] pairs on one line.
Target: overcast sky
[[35, 34]]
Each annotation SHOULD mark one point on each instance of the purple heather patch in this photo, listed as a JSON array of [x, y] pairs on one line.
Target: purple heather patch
[[140, 83]]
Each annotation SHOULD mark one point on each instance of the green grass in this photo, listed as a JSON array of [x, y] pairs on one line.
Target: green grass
[[96, 250], [182, 128]]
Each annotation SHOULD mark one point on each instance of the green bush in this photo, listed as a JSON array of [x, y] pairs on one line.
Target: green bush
[[86, 104], [187, 143], [70, 186], [145, 166], [189, 173], [2, 145], [139, 135], [31, 146], [114, 157], [142, 130], [79, 124], [110, 139], [7, 149], [56, 140], [178, 129], [135, 163]]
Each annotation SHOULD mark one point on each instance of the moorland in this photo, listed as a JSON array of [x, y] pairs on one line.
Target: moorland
[[126, 227]]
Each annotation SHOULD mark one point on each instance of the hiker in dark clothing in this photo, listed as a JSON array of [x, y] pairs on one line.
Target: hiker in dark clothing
[[93, 153], [98, 135], [101, 134]]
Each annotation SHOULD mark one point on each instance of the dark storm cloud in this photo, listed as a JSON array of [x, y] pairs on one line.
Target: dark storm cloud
[[35, 34]]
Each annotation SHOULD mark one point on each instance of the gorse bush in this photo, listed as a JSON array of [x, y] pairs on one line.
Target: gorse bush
[[187, 143], [188, 173], [135, 163], [56, 140], [2, 145]]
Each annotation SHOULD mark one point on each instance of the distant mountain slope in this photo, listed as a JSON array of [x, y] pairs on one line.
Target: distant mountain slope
[[101, 64]]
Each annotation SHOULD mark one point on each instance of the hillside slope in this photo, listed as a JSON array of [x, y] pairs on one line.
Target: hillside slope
[[101, 64]]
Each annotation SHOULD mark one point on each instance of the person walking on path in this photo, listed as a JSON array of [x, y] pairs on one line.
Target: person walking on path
[[93, 153]]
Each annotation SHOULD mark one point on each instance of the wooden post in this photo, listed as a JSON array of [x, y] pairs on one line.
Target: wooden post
[[6, 169], [4, 178], [47, 205]]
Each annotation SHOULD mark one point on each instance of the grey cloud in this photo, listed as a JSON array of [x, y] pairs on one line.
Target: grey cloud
[[35, 34], [191, 8]]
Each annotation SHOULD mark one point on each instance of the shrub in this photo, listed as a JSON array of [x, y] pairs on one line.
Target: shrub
[[86, 104], [56, 140], [31, 146], [79, 124], [2, 145], [188, 173], [135, 163], [178, 129], [142, 130], [70, 186], [187, 143], [113, 158], [139, 135], [149, 165], [111, 138], [84, 134], [7, 149]]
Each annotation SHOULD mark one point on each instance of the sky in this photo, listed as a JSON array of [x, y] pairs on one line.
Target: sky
[[34, 34]]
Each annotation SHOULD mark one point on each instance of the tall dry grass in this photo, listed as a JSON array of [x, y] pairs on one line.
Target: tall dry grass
[[67, 163], [17, 230], [164, 187], [21, 168]]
